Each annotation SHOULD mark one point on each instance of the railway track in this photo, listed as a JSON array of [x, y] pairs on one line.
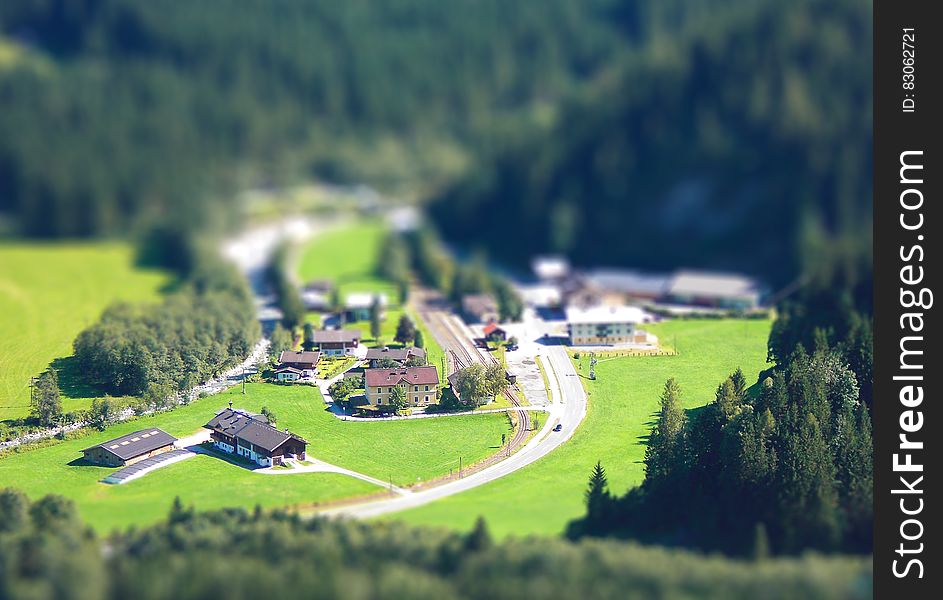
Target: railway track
[[456, 345]]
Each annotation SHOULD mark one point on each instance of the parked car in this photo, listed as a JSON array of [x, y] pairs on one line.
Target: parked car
[[558, 427]]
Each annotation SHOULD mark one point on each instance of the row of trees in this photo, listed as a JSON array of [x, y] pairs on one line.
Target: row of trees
[[46, 552], [157, 351], [436, 269], [286, 292]]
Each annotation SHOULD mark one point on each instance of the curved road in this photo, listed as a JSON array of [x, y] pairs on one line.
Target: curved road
[[568, 408]]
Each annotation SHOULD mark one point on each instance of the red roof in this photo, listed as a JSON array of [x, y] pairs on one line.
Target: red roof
[[491, 328], [410, 375]]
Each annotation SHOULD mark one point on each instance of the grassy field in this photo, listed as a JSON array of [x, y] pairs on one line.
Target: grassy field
[[406, 451], [543, 497], [348, 257], [48, 294]]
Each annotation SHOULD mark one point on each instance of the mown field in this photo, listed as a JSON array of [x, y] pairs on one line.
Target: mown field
[[406, 451], [48, 294], [348, 257], [544, 496]]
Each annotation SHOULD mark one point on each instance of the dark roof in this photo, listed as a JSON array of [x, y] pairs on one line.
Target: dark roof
[[491, 328], [289, 356], [394, 353], [411, 375], [250, 428], [289, 370], [137, 443], [335, 335], [479, 303]]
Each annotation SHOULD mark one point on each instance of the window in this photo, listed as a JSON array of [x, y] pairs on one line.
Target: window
[[426, 400], [415, 388], [427, 388]]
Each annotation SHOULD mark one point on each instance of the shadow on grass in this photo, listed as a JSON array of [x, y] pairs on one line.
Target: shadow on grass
[[72, 381]]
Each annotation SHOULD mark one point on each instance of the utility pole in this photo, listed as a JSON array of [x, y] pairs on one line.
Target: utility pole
[[459, 467], [243, 381]]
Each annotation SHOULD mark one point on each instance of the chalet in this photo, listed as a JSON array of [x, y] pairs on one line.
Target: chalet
[[493, 333], [420, 384], [297, 365], [316, 295], [550, 268], [336, 342], [479, 308], [251, 436], [607, 326], [131, 448], [716, 290], [357, 306], [399, 355]]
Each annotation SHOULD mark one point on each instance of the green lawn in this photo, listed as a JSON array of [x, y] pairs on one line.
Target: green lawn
[[544, 496], [407, 451], [348, 257], [48, 294]]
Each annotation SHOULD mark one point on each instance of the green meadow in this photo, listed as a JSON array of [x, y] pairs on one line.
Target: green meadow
[[48, 294], [623, 403], [404, 451]]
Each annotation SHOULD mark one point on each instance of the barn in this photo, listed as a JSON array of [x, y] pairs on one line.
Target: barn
[[131, 448]]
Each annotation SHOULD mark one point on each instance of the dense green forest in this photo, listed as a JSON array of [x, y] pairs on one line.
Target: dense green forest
[[118, 112], [744, 143], [46, 552], [157, 351]]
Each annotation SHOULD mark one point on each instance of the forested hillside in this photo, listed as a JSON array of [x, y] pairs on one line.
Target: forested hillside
[[744, 143], [119, 112]]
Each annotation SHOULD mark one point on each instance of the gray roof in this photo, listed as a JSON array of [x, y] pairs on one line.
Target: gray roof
[[335, 335], [479, 303], [137, 443], [629, 282], [289, 356], [712, 285], [250, 428], [400, 354]]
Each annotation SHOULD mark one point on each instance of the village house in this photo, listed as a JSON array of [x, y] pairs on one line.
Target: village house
[[336, 342], [399, 355], [316, 295], [715, 290], [250, 436], [493, 333], [420, 384], [479, 308], [607, 326], [357, 306], [293, 366], [131, 448]]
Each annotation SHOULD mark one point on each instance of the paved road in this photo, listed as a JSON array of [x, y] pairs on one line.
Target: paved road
[[568, 408]]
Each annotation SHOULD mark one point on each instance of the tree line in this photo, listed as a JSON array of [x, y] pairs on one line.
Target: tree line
[[120, 112], [782, 466], [160, 350], [46, 551]]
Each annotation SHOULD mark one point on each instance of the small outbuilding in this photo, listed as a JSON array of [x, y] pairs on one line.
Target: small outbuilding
[[131, 448]]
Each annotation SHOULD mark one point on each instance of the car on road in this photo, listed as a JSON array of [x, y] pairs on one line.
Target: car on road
[[558, 427]]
